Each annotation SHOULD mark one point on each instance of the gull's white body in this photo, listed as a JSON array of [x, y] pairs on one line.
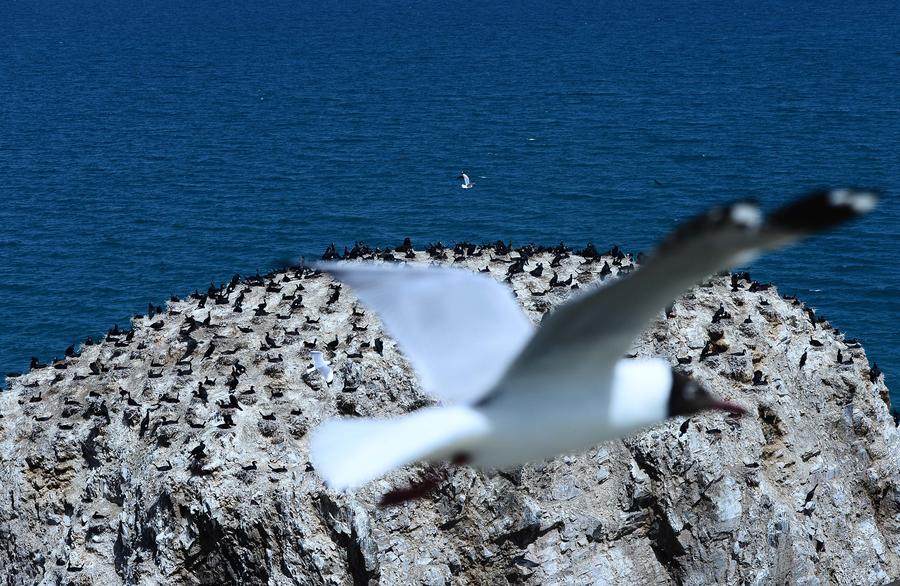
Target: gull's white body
[[508, 432], [531, 426], [466, 184], [514, 394]]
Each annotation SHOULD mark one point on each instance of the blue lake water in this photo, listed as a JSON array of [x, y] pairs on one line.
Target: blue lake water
[[147, 150]]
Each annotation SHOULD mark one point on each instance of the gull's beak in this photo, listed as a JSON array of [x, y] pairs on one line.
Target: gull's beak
[[732, 408]]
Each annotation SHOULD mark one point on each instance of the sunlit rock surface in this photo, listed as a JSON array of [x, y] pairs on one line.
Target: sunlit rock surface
[[177, 454]]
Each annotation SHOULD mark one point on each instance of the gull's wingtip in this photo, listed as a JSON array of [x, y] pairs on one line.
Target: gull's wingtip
[[824, 209], [860, 201]]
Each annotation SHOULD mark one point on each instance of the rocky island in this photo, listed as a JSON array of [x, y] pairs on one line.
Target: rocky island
[[175, 452]]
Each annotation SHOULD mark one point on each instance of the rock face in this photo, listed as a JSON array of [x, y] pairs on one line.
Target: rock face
[[176, 452]]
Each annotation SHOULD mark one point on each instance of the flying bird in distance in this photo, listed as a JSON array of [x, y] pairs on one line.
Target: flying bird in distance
[[466, 184], [512, 393]]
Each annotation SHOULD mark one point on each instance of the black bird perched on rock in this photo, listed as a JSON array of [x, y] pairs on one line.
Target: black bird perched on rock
[[145, 423], [201, 394], [228, 422], [189, 325], [165, 398], [811, 314], [758, 378], [191, 346], [71, 353], [209, 351], [720, 314], [332, 345], [518, 266], [379, 346], [815, 343], [537, 271], [803, 359], [874, 373], [37, 364], [335, 295], [231, 404], [199, 452]]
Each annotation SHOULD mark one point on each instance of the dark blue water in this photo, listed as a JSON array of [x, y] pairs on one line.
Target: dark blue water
[[146, 150]]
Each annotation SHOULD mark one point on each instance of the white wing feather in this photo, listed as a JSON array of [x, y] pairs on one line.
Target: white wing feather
[[460, 330], [349, 452]]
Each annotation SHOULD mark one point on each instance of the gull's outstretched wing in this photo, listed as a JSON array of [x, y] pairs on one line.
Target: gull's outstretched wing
[[460, 330], [594, 330]]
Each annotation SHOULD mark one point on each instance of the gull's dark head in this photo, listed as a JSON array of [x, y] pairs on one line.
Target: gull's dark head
[[688, 397]]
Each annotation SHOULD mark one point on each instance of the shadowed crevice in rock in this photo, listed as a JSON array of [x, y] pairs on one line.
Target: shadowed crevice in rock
[[342, 526], [665, 544]]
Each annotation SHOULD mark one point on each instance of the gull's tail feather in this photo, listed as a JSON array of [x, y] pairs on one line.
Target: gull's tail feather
[[349, 452]]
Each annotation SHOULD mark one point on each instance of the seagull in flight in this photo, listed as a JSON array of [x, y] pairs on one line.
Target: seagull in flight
[[511, 393], [466, 184]]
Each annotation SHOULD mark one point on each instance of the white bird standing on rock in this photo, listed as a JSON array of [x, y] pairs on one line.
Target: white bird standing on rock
[[513, 394], [319, 363]]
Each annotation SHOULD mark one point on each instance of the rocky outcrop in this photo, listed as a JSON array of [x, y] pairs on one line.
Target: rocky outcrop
[[176, 452]]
